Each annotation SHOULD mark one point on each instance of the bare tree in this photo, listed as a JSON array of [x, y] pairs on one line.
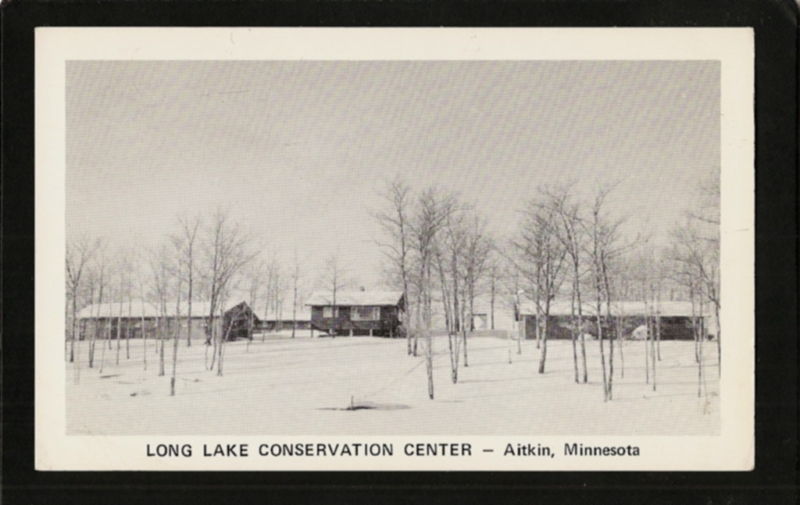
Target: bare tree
[[453, 341], [476, 257], [494, 278], [185, 242], [177, 331], [226, 251], [539, 258], [430, 216], [396, 244], [295, 284], [451, 244], [160, 266], [569, 232], [143, 297], [703, 234], [273, 274], [603, 248], [334, 279], [693, 266], [98, 281], [78, 254], [255, 279], [123, 264]]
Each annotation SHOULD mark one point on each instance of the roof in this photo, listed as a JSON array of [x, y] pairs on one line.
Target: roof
[[624, 308], [139, 308], [303, 314], [350, 298]]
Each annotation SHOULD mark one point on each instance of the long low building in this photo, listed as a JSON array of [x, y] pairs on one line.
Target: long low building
[[675, 319], [136, 318], [357, 312]]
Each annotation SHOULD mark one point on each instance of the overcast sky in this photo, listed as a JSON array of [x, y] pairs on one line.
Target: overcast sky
[[299, 151]]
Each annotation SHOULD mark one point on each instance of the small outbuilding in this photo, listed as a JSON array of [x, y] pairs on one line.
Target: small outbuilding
[[377, 313]]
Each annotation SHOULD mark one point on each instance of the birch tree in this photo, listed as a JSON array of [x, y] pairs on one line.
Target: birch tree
[[569, 233], [431, 213], [226, 251], [476, 258], [78, 254], [334, 280], [177, 331], [396, 242], [295, 292], [448, 250], [603, 248], [255, 279], [539, 257], [185, 242], [160, 259], [99, 269]]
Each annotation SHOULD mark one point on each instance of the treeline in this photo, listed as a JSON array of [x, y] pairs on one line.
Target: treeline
[[439, 251]]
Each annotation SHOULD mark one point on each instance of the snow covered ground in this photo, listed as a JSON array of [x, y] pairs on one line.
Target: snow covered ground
[[303, 386]]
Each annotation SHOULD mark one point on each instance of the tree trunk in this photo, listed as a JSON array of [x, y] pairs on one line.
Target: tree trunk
[[175, 338], [653, 358], [189, 296], [543, 354], [719, 340], [581, 336], [464, 334], [119, 328], [294, 309], [128, 328], [429, 361], [213, 343], [222, 337], [72, 329], [162, 334], [647, 347], [575, 330], [86, 330], [658, 330], [621, 339], [491, 301], [538, 323], [600, 338]]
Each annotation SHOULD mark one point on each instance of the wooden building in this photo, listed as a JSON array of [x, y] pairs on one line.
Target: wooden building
[[675, 318], [357, 312], [134, 319]]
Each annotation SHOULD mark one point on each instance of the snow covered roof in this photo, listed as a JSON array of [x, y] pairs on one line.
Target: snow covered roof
[[303, 314], [350, 298], [625, 308], [139, 308]]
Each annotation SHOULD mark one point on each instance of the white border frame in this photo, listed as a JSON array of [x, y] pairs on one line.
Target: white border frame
[[732, 449]]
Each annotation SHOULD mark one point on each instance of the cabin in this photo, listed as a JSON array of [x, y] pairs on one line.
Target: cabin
[[675, 318], [354, 313], [137, 319]]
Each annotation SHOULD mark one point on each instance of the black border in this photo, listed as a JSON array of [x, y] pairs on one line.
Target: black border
[[775, 478]]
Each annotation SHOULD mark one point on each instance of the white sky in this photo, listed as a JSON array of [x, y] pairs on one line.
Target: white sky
[[298, 151]]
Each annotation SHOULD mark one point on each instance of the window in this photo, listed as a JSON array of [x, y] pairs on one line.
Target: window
[[328, 311], [366, 313]]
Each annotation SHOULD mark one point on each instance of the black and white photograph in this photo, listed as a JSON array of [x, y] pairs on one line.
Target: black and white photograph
[[502, 260]]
